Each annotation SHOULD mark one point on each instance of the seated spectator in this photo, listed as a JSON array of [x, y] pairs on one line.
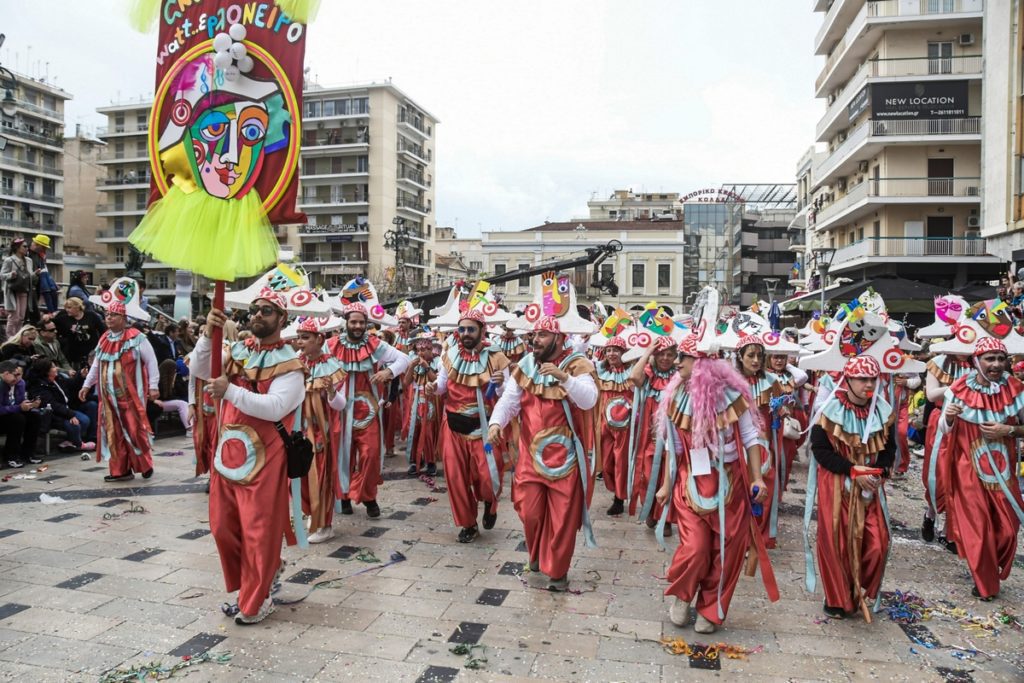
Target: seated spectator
[[48, 347], [173, 393], [19, 417], [21, 347], [46, 388], [78, 331], [166, 344]]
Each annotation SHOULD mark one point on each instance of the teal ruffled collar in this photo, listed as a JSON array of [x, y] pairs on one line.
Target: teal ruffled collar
[[531, 370], [468, 363], [852, 420], [617, 376]]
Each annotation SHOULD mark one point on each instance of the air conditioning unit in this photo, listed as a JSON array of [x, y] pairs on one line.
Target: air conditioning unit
[[974, 222], [862, 167], [967, 39], [972, 234], [972, 191]]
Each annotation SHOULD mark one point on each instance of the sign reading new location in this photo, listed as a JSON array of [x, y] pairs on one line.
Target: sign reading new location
[[923, 100]]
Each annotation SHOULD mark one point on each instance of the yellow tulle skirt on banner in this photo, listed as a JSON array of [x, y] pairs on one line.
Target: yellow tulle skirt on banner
[[222, 239]]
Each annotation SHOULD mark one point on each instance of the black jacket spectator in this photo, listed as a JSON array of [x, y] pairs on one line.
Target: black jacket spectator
[[19, 421], [79, 331]]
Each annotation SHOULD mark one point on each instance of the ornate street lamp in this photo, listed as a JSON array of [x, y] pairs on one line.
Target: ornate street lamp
[[823, 257]]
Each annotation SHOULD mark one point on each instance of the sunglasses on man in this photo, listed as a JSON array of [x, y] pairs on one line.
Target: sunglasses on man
[[264, 311], [464, 330]]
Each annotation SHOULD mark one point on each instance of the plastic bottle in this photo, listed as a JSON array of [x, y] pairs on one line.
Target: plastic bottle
[[756, 508]]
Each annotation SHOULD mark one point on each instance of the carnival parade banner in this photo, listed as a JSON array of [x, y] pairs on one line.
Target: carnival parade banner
[[224, 132]]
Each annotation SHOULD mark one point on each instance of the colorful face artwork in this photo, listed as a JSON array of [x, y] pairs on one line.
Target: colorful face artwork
[[284, 278], [555, 294], [858, 336], [615, 323], [479, 295], [355, 291], [656, 320], [949, 309], [993, 316], [125, 290]]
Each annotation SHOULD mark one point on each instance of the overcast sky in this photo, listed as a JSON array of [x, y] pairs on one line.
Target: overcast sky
[[543, 103]]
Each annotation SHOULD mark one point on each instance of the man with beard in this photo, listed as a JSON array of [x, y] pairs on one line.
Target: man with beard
[[260, 394], [471, 373], [124, 371], [362, 425], [614, 411], [553, 391], [981, 419]]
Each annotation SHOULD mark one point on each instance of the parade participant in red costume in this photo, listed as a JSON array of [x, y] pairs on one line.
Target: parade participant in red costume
[[359, 452], [125, 374], [649, 377], [791, 380], [853, 445], [422, 421], [981, 418], [552, 390], [512, 345], [750, 361], [262, 385], [471, 374], [320, 415], [614, 414], [202, 415], [943, 371], [706, 419], [394, 412]]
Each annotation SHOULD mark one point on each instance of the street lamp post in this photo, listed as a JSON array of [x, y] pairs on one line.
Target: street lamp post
[[398, 239], [9, 85], [823, 257], [770, 283]]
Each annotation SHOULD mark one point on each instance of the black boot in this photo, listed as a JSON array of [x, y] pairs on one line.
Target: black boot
[[928, 530], [372, 509], [489, 517], [617, 507], [468, 535], [346, 507]]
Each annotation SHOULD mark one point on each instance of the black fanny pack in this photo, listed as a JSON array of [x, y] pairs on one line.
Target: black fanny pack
[[297, 448], [463, 424]]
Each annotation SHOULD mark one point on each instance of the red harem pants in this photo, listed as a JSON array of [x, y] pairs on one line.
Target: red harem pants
[[642, 473], [614, 457], [318, 488], [551, 511], [834, 561], [365, 464], [392, 421], [697, 564], [902, 443], [248, 523], [769, 475], [941, 473], [467, 475], [985, 524]]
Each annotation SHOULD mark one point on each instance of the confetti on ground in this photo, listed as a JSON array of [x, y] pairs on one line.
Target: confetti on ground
[[157, 671], [678, 646]]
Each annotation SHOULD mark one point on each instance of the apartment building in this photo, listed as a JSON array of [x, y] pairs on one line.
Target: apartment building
[[366, 185], [1002, 143], [32, 167], [626, 205], [122, 194], [454, 254], [899, 189], [367, 170]]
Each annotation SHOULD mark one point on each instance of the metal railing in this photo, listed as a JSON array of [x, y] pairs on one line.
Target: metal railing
[[20, 163], [910, 248], [38, 196], [411, 204], [123, 180], [357, 198], [51, 139], [121, 155], [123, 128], [414, 176], [312, 139], [900, 187], [414, 121], [415, 150], [125, 208], [901, 8], [965, 126], [111, 234], [52, 113], [30, 225]]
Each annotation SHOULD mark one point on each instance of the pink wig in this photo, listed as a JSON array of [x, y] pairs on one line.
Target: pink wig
[[709, 378]]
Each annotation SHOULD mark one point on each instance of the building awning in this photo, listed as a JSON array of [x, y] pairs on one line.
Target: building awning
[[900, 295]]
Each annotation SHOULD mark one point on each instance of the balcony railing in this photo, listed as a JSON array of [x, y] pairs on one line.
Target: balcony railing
[[123, 128], [910, 248], [38, 196], [43, 111], [122, 154], [412, 205], [111, 234], [118, 208], [355, 198], [414, 176], [415, 150], [332, 137], [30, 225], [902, 8], [415, 122], [966, 126], [20, 163], [46, 139], [313, 229], [901, 187], [123, 180]]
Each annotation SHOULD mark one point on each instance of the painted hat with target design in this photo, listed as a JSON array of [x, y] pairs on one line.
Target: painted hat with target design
[[983, 319], [360, 290], [866, 335], [748, 323], [460, 302], [322, 324], [124, 291], [292, 283], [556, 297]]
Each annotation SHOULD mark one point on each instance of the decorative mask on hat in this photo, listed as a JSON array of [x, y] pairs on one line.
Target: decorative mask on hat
[[993, 316], [555, 294], [124, 291]]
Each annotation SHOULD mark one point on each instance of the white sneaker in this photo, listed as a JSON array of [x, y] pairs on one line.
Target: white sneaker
[[703, 625], [320, 535], [266, 609], [679, 612]]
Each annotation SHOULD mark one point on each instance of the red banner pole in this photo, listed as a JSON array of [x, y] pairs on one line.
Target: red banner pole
[[217, 333]]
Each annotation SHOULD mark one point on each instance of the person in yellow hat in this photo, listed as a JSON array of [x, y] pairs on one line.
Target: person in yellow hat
[[43, 281]]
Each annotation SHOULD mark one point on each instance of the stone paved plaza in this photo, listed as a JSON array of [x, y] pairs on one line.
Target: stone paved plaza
[[88, 587]]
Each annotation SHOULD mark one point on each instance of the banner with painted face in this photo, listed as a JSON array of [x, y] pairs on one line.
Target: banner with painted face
[[224, 135]]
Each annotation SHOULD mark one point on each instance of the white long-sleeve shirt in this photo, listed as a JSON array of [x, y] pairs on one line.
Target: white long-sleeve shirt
[[392, 359], [581, 390], [441, 383], [148, 357], [748, 435], [284, 395]]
